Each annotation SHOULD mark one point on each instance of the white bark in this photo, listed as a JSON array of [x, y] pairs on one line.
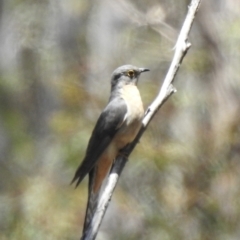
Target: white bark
[[165, 92]]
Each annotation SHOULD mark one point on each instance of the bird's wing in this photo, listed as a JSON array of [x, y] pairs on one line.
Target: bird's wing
[[108, 124]]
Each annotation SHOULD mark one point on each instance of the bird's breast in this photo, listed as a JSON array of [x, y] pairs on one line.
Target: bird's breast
[[134, 103], [133, 118]]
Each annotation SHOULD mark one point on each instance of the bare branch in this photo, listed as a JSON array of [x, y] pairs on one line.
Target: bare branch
[[165, 92]]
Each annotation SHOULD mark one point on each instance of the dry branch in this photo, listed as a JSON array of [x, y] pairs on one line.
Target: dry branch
[[165, 92]]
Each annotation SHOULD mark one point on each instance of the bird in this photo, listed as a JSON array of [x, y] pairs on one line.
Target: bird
[[116, 127]]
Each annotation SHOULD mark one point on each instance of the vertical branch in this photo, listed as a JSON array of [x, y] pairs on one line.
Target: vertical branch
[[165, 92]]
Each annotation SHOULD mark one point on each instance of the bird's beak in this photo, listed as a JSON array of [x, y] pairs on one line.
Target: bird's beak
[[143, 70]]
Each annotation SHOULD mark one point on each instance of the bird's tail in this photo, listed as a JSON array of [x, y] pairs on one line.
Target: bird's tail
[[91, 205]]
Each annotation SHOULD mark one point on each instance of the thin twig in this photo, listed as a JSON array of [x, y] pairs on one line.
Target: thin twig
[[165, 92]]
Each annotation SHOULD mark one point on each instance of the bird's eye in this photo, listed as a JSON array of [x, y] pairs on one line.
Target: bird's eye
[[131, 73]]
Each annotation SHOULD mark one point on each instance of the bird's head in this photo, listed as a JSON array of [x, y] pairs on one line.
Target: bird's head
[[126, 74]]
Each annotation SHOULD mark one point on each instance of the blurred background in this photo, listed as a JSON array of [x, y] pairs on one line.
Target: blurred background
[[56, 59]]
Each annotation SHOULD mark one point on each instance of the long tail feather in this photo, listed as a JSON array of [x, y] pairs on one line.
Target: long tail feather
[[91, 204]]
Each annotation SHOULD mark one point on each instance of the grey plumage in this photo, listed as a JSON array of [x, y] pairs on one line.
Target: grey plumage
[[117, 126]]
